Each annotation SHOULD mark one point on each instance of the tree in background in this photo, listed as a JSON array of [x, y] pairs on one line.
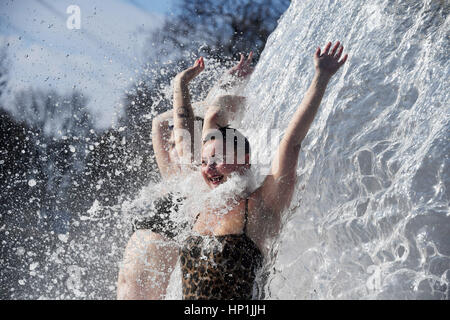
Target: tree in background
[[53, 166], [219, 30], [53, 113]]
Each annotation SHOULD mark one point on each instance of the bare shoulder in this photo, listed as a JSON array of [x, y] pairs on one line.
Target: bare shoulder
[[263, 223]]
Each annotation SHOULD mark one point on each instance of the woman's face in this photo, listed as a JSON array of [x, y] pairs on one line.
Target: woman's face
[[215, 170]]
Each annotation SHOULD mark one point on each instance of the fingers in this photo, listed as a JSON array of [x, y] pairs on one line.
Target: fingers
[[250, 57], [317, 54], [327, 48], [336, 52], [198, 67], [243, 68], [343, 60], [338, 55], [241, 61], [246, 62], [336, 46], [199, 63]]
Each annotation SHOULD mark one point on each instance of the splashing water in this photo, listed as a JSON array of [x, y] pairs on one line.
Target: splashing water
[[369, 218]]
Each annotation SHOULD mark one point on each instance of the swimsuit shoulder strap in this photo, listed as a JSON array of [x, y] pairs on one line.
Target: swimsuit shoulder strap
[[246, 216]]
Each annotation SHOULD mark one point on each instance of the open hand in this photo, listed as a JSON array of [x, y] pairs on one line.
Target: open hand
[[328, 62], [190, 73], [244, 67]]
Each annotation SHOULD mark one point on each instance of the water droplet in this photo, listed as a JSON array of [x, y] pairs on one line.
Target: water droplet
[[63, 237], [34, 265]]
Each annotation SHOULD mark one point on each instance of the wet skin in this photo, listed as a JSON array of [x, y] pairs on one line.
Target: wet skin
[[215, 170]]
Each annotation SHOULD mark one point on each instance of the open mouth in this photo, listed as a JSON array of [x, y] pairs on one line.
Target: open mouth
[[216, 180]]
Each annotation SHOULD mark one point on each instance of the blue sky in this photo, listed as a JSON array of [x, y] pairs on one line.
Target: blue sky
[[158, 6], [100, 59]]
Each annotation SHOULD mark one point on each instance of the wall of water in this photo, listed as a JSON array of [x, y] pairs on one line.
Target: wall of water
[[370, 218]]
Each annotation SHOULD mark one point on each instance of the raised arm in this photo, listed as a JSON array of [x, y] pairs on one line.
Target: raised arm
[[183, 115], [221, 112], [278, 187], [161, 142], [225, 107], [239, 72]]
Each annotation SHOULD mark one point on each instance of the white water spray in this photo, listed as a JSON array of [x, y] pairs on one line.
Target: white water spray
[[370, 218]]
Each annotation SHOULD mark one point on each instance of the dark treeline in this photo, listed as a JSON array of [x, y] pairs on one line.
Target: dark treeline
[[220, 28], [54, 164], [216, 30]]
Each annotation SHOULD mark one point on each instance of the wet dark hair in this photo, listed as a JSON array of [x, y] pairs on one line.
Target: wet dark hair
[[228, 132]]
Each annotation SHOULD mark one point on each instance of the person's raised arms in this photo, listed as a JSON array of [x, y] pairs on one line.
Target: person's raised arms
[[183, 115], [224, 107], [238, 73], [277, 188], [244, 68], [163, 143]]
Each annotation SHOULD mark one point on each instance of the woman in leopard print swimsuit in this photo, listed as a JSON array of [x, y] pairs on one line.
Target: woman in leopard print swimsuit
[[222, 258], [221, 270], [151, 255]]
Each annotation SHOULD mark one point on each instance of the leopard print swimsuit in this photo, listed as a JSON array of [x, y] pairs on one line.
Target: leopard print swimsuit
[[220, 267]]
